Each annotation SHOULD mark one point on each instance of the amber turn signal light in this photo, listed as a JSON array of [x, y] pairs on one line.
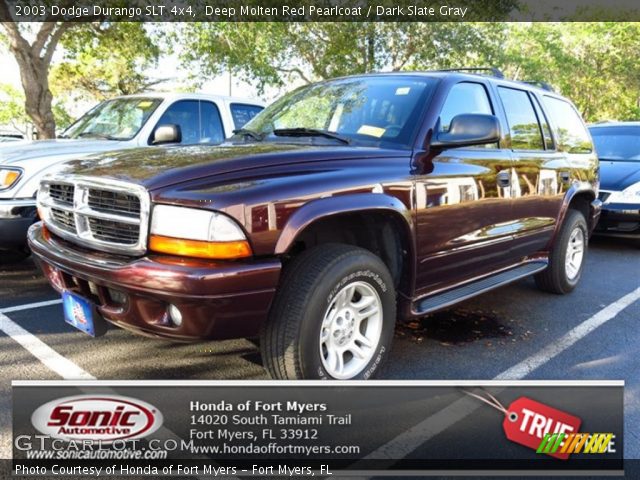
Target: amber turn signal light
[[199, 249]]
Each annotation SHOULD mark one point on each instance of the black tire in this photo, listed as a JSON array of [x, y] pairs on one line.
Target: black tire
[[555, 279], [290, 339]]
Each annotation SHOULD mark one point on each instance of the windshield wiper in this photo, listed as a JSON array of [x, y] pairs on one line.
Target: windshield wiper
[[248, 133], [309, 132], [98, 135]]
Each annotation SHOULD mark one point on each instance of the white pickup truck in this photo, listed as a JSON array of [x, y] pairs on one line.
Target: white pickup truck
[[145, 120]]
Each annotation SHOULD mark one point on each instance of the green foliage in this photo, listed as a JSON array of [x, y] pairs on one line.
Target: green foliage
[[595, 63], [12, 110], [104, 60]]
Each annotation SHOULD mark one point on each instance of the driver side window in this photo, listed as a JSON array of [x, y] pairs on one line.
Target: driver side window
[[465, 97], [199, 121]]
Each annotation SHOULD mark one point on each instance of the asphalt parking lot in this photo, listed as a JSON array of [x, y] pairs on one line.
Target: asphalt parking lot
[[511, 333]]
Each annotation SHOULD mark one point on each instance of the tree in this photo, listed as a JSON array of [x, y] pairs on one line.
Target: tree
[[12, 111], [89, 48], [102, 62], [34, 59], [592, 63], [272, 54]]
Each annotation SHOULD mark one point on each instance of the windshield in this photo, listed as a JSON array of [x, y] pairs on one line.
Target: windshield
[[119, 119], [373, 110], [621, 143]]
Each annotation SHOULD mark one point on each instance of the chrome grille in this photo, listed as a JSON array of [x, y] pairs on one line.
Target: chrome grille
[[62, 193], [114, 231], [65, 219], [106, 215], [108, 201]]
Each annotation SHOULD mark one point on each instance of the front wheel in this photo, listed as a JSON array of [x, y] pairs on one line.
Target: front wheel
[[333, 317], [567, 258]]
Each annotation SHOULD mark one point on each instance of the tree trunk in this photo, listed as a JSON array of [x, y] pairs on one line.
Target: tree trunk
[[35, 81], [34, 60]]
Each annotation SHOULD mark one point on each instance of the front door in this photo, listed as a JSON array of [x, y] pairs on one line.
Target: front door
[[463, 205]]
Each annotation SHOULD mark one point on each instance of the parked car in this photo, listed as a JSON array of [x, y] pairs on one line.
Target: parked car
[[124, 122], [10, 137], [342, 206], [618, 147]]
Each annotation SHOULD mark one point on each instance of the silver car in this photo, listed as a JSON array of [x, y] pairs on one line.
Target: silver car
[[134, 121]]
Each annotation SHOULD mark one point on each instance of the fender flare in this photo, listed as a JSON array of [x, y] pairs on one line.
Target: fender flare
[[577, 188], [351, 203]]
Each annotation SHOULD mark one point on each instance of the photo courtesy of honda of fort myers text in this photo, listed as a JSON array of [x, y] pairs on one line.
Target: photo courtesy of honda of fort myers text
[[249, 239]]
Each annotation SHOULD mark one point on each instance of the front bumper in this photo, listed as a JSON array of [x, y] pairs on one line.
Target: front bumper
[[620, 220], [16, 216], [218, 300]]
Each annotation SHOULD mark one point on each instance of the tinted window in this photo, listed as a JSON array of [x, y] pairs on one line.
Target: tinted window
[[242, 113], [199, 121], [571, 134], [523, 123], [119, 119], [370, 110], [464, 98], [544, 123], [211, 129], [617, 143]]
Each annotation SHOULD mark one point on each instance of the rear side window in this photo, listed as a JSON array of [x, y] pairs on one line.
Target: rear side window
[[523, 122], [465, 97], [571, 133], [544, 123], [242, 113], [199, 121]]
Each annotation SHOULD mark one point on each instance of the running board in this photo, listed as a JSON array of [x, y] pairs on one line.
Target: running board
[[451, 297]]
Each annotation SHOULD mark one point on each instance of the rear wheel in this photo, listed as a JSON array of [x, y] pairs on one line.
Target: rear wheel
[[567, 258], [333, 317]]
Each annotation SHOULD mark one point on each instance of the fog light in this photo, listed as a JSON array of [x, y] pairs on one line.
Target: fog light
[[117, 296], [176, 315]]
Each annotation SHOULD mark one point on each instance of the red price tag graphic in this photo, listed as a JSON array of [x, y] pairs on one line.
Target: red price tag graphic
[[527, 421]]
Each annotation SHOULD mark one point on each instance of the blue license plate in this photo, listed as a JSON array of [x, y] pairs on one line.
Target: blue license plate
[[78, 312]]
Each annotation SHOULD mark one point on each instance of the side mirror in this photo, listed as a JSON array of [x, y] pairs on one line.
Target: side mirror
[[467, 130], [168, 133]]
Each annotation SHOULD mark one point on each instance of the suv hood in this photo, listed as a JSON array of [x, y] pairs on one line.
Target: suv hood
[[161, 167], [617, 176], [14, 153]]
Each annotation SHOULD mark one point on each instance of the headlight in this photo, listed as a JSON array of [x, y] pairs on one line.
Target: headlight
[[191, 232], [628, 195], [9, 177]]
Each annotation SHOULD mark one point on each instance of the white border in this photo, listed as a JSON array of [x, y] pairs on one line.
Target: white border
[[318, 383]]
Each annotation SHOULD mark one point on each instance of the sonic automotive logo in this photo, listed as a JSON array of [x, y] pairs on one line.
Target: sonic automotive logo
[[104, 418]]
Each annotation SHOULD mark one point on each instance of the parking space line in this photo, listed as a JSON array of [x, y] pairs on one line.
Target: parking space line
[[29, 306], [43, 352], [552, 350], [431, 426]]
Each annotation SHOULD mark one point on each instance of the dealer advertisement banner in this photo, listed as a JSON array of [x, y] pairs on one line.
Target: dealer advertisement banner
[[175, 428]]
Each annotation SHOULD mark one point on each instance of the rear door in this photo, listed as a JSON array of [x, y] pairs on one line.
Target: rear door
[[463, 204], [541, 173]]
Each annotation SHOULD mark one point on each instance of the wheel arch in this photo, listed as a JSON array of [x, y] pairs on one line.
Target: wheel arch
[[379, 215]]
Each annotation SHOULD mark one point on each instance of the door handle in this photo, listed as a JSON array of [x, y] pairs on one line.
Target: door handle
[[504, 178], [565, 177]]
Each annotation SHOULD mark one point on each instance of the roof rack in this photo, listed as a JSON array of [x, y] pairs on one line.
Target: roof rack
[[494, 71], [542, 85]]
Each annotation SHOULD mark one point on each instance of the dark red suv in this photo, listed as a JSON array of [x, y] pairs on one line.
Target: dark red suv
[[340, 208]]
